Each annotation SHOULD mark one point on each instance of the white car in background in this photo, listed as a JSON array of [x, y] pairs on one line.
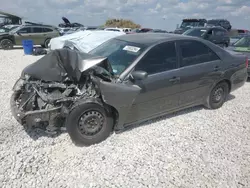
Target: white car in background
[[83, 41], [114, 29]]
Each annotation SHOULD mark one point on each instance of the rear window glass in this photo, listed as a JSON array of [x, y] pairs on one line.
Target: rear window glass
[[47, 30]]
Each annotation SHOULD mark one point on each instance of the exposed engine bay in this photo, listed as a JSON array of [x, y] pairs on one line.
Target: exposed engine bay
[[49, 88]]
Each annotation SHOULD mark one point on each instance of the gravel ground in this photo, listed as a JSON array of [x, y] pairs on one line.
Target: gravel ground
[[192, 148]]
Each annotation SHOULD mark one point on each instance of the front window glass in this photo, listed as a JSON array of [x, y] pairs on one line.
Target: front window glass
[[159, 59], [190, 24], [119, 53], [195, 32]]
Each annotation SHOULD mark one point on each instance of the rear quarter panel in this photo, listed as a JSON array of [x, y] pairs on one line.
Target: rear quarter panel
[[235, 69]]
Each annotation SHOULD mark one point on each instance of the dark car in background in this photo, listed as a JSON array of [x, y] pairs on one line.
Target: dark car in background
[[40, 34], [242, 46], [220, 22], [157, 31], [190, 23], [234, 39], [140, 30], [216, 35], [126, 80]]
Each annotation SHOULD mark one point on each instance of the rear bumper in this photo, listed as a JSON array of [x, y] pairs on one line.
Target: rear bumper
[[239, 79], [248, 71]]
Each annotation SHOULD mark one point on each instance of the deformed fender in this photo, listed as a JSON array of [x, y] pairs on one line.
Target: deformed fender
[[120, 96]]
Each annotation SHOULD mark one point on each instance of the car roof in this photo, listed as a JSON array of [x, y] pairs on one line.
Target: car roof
[[206, 28], [149, 39]]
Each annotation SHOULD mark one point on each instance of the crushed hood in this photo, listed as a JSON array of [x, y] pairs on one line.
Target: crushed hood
[[64, 63]]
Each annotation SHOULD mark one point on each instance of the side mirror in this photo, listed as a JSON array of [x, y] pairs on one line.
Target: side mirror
[[139, 75]]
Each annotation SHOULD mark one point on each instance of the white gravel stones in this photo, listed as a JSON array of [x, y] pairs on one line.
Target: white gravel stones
[[193, 148]]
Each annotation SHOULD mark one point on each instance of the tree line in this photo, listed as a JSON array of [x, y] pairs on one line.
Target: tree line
[[123, 23]]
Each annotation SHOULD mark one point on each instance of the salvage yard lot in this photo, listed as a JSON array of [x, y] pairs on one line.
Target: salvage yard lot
[[192, 148]]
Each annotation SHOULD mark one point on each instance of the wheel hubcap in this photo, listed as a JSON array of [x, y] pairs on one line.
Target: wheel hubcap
[[91, 122], [6, 44], [218, 95]]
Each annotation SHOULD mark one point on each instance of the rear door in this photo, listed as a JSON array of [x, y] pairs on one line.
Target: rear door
[[37, 35], [200, 67], [160, 91]]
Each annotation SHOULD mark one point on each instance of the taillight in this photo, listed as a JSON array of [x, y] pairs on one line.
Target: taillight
[[247, 62]]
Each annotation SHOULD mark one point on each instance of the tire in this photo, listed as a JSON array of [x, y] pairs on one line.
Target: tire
[[46, 43], [43, 46], [218, 96], [94, 132], [6, 44]]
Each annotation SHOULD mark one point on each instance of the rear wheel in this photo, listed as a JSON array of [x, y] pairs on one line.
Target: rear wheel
[[6, 44], [218, 95], [46, 43], [89, 124]]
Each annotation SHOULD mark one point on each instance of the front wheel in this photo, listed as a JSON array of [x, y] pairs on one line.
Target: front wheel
[[218, 96], [89, 124], [6, 44]]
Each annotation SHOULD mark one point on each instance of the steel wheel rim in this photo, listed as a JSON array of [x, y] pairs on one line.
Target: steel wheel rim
[[218, 95], [91, 123]]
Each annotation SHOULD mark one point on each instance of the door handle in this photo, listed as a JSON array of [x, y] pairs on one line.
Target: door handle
[[216, 68], [175, 79]]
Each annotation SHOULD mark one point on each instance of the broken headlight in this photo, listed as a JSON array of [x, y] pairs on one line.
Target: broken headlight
[[18, 85]]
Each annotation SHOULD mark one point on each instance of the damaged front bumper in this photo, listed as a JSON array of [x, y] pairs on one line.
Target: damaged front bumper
[[34, 118]]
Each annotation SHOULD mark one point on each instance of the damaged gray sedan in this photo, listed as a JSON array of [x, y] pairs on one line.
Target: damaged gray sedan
[[126, 80]]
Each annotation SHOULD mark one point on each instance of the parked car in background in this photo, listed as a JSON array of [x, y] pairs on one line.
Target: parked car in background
[[216, 35], [190, 23], [83, 40], [127, 30], [113, 29], [234, 39], [66, 30], [243, 31], [242, 46], [40, 34], [126, 80], [88, 40], [236, 32], [4, 30], [9, 19], [157, 31], [67, 23], [140, 30], [219, 22]]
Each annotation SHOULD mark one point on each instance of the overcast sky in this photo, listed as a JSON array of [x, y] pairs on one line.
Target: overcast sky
[[164, 14]]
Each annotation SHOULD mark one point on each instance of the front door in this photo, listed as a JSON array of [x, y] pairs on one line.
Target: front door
[[160, 91], [22, 34], [199, 69]]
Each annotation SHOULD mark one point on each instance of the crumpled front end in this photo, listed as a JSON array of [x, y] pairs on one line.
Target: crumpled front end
[[35, 102], [41, 98]]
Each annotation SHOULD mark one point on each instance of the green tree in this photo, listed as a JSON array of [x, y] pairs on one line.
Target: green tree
[[122, 23]]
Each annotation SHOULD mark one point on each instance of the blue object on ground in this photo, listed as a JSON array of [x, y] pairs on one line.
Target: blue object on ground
[[27, 47]]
